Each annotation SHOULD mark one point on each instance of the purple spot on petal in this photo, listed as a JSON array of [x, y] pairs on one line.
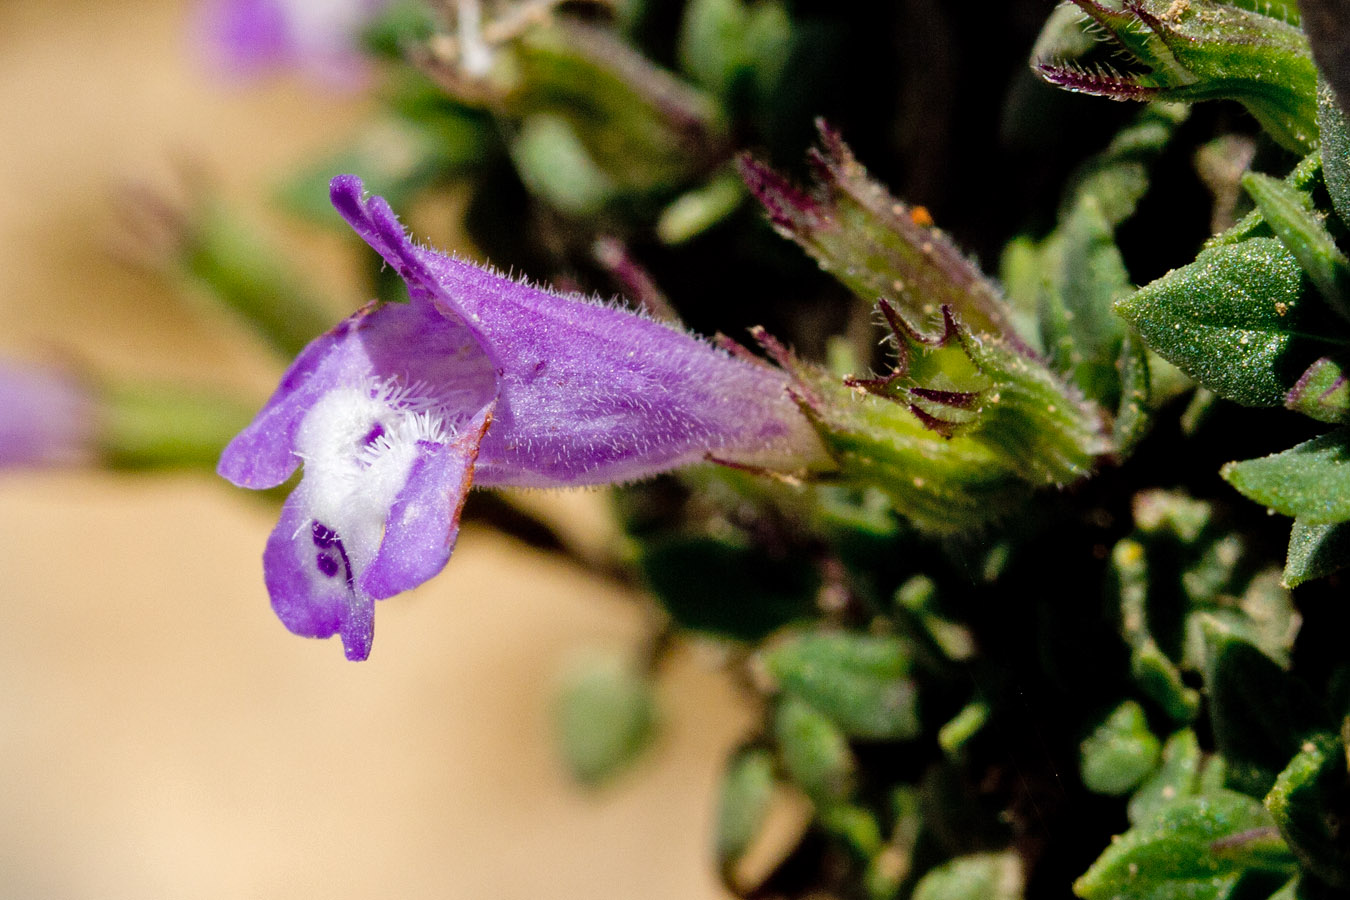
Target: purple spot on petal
[[324, 536], [327, 564]]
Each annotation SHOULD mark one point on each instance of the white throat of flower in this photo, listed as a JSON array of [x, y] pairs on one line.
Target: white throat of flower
[[358, 445]]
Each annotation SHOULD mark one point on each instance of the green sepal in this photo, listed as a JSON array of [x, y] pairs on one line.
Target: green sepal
[[1290, 214], [1310, 481], [1316, 551], [876, 245], [1322, 392], [941, 485], [1205, 50], [979, 876], [860, 681], [959, 384], [815, 752], [1196, 848], [1309, 802], [1120, 753], [605, 717], [1237, 320], [743, 804]]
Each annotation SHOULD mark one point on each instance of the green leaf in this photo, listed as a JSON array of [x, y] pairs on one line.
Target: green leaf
[[815, 752], [1303, 177], [1177, 777], [1263, 615], [605, 718], [1134, 415], [1310, 481], [711, 46], [696, 211], [1290, 214], [1259, 714], [1085, 275], [980, 876], [1155, 673], [1316, 551], [1120, 752], [397, 158], [1309, 804], [963, 727], [157, 426], [747, 788], [860, 681], [1335, 127], [1196, 848], [647, 132], [554, 163], [1236, 320], [854, 827], [726, 587], [242, 271], [1117, 178]]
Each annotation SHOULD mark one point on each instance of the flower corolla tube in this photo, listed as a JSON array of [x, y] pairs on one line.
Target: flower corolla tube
[[478, 379], [321, 37]]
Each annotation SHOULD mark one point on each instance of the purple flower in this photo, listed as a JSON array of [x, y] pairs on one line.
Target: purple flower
[[478, 378], [319, 36], [46, 417]]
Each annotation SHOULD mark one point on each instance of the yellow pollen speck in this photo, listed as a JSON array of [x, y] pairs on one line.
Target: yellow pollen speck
[[1281, 307]]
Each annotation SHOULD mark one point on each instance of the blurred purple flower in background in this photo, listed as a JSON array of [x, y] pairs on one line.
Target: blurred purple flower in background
[[397, 410], [319, 37], [46, 417]]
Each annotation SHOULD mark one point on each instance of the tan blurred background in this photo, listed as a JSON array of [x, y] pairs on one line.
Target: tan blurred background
[[161, 735]]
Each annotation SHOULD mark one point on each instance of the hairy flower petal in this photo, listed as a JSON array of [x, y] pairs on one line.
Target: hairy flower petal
[[401, 407]]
